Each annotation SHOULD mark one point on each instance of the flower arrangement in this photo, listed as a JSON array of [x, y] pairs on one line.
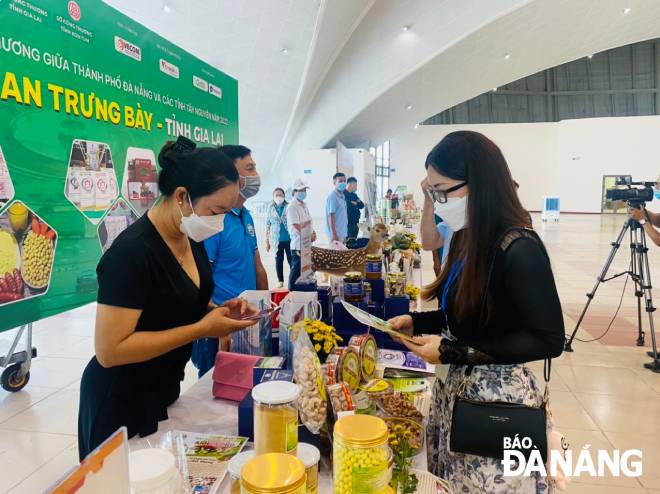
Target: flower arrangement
[[323, 337], [412, 291], [403, 482]]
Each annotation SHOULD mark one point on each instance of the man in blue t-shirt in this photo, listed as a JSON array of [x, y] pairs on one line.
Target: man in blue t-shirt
[[336, 222], [233, 252]]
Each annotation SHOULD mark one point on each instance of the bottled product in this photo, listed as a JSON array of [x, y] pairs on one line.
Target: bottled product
[[235, 467], [374, 267], [361, 456], [310, 456], [275, 417], [274, 473], [154, 471], [397, 284], [367, 293], [353, 287]]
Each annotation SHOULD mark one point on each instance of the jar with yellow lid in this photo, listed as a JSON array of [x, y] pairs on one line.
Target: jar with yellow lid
[[361, 456], [353, 292], [235, 468], [396, 283], [274, 473], [374, 267]]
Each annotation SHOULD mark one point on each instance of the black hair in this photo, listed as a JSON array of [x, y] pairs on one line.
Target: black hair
[[389, 191], [283, 193], [338, 175], [201, 171], [351, 180], [235, 151]]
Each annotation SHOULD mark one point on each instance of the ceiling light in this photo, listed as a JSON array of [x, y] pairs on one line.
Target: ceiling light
[[166, 8], [417, 126], [507, 56], [284, 50], [405, 28], [409, 107], [494, 89], [590, 57], [626, 11]]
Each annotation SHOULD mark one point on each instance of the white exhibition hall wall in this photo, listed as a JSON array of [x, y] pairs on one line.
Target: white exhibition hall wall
[[567, 158]]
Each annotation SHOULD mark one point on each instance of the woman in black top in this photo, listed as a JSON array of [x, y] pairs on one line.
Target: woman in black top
[[154, 294], [496, 326]]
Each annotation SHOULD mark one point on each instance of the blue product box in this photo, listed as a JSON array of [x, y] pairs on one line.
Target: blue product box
[[325, 299], [377, 291], [304, 287], [264, 365], [396, 306], [346, 323], [275, 375]]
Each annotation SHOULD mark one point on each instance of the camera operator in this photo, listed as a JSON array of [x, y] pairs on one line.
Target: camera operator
[[650, 221]]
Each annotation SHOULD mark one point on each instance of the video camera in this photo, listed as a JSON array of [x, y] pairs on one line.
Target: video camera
[[634, 196]]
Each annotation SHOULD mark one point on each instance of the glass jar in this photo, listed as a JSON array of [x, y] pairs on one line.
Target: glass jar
[[235, 467], [361, 456], [18, 216], [275, 417], [365, 344], [353, 287], [374, 267], [274, 473], [396, 283], [310, 456], [367, 293]]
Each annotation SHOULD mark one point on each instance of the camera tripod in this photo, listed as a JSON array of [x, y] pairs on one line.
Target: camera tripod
[[640, 274]]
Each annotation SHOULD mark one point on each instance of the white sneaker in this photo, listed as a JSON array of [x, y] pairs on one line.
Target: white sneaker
[[280, 284]]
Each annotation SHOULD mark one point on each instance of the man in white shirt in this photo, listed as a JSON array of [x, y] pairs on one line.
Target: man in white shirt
[[297, 215]]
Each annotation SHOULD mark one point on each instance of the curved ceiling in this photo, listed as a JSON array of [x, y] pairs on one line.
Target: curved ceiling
[[454, 50]]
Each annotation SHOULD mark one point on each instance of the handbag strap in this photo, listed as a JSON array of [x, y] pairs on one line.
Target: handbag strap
[[547, 364]]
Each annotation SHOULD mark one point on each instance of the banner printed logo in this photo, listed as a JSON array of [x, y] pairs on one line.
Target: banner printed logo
[[74, 11], [169, 68], [128, 49], [200, 83], [215, 90]]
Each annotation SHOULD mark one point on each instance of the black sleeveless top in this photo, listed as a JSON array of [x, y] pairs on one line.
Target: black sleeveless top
[[140, 272]]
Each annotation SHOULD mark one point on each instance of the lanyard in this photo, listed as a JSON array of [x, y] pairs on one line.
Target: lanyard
[[456, 269]]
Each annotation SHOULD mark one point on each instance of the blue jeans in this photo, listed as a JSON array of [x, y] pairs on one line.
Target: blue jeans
[[294, 274]]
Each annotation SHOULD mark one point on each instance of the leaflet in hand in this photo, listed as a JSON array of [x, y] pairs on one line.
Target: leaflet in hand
[[375, 322]]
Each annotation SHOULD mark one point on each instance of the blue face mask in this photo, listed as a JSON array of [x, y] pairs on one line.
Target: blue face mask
[[657, 193], [341, 186], [301, 195]]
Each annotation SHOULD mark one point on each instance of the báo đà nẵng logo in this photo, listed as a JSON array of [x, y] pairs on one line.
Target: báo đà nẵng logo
[[522, 457], [128, 49]]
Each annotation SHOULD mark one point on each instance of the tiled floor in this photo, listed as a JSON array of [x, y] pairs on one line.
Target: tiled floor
[[601, 395]]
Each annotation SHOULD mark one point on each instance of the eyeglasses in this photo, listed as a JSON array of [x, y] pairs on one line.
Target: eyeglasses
[[440, 196]]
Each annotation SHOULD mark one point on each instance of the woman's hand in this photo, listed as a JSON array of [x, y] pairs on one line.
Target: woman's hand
[[239, 308], [425, 191], [218, 323], [427, 347], [402, 324]]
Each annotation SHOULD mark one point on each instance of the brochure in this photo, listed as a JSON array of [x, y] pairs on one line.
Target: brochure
[[375, 322], [395, 359], [207, 458]]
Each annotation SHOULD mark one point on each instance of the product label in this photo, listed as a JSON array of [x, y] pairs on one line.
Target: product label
[[374, 267], [350, 372], [371, 479], [353, 288], [292, 435], [369, 358]]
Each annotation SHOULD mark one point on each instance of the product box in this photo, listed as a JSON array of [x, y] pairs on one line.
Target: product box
[[268, 365], [344, 322], [377, 291], [325, 300], [396, 306]]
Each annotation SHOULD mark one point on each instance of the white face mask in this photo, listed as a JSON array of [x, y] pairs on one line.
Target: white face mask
[[279, 200], [453, 212], [199, 228]]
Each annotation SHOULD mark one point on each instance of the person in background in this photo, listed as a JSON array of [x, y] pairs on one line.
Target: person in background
[[297, 215], [491, 320], [353, 207], [233, 253], [388, 194], [336, 223], [277, 234], [154, 298]]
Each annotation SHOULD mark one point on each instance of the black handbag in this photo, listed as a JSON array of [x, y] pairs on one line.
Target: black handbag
[[481, 427]]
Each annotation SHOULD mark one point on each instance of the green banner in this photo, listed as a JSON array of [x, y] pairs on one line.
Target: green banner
[[87, 99]]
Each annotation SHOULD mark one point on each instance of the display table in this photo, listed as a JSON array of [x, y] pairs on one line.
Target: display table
[[197, 411]]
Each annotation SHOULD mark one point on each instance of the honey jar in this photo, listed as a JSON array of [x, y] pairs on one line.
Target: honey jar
[[275, 417], [374, 267], [353, 292]]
